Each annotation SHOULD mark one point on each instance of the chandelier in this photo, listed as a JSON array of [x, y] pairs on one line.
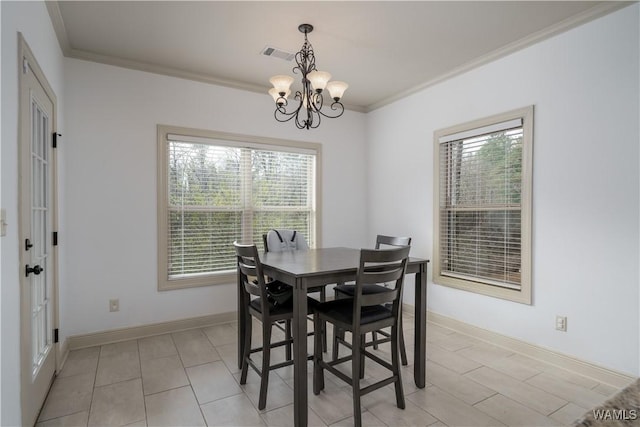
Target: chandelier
[[310, 99]]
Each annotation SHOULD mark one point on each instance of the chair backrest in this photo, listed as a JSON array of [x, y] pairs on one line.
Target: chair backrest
[[284, 240], [381, 266], [249, 267], [392, 241]]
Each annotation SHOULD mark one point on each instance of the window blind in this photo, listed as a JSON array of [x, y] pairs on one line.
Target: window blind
[[480, 204], [221, 193]]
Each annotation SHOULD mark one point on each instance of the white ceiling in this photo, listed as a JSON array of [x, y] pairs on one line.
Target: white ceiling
[[383, 49]]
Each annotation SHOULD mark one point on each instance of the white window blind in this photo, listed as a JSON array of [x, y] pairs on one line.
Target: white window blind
[[480, 204], [218, 193]]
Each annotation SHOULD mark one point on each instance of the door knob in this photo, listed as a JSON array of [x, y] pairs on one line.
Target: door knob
[[36, 269]]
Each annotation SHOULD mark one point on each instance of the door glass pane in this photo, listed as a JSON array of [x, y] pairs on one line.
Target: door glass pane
[[41, 318]]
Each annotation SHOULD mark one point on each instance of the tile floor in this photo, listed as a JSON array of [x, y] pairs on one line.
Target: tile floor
[[190, 378]]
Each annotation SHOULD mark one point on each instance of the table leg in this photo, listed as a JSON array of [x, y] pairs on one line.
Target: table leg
[[300, 354], [420, 343]]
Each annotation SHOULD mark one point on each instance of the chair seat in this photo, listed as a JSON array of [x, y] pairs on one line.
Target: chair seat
[[367, 289], [341, 310], [280, 310]]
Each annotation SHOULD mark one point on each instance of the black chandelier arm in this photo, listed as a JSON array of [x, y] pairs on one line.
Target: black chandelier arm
[[318, 104], [335, 106]]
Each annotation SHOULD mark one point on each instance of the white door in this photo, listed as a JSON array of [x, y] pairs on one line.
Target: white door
[[38, 268]]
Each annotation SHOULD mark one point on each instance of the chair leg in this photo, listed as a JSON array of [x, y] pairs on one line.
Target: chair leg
[[318, 372], [287, 333], [355, 370], [396, 368], [403, 349], [363, 340], [266, 356], [334, 351], [375, 340], [247, 348]]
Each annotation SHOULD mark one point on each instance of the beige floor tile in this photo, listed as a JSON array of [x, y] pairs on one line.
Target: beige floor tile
[[177, 407], [156, 347], [194, 348], [568, 391], [79, 419], [117, 348], [232, 411], [524, 393], [408, 382], [532, 363], [368, 419], [117, 404], [456, 385], [163, 374], [212, 381], [606, 389], [83, 361], [382, 404], [221, 334], [441, 329], [229, 355], [333, 404], [484, 353], [450, 410], [67, 396], [450, 359], [279, 393], [118, 362], [451, 342], [513, 413], [571, 377], [141, 423], [568, 414], [513, 367], [531, 392], [283, 417]]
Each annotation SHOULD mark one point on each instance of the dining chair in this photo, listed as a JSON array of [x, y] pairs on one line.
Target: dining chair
[[348, 290], [361, 314], [257, 304], [279, 240]]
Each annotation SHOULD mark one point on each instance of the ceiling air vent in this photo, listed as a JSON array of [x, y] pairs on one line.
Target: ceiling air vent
[[278, 53]]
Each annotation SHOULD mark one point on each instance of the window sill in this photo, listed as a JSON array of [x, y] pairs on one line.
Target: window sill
[[225, 278]]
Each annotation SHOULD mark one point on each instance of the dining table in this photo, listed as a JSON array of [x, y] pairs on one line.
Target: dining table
[[306, 269]]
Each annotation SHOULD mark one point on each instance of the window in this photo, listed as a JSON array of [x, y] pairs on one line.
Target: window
[[214, 188], [482, 218]]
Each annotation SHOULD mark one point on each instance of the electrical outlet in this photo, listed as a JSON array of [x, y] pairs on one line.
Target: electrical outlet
[[561, 323], [114, 305]]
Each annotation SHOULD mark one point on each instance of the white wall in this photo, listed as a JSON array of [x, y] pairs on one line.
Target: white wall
[[585, 88], [110, 204], [32, 19]]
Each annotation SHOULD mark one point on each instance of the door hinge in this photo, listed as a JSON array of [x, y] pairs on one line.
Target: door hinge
[[55, 238], [55, 139], [25, 65], [55, 335]]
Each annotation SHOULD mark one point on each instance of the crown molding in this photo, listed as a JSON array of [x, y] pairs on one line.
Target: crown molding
[[53, 7], [595, 12], [591, 14]]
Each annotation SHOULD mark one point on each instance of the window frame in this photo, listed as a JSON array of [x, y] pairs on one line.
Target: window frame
[[208, 279], [524, 294]]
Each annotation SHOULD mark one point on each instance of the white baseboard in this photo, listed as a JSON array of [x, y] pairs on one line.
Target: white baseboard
[[115, 335], [552, 357], [570, 363]]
